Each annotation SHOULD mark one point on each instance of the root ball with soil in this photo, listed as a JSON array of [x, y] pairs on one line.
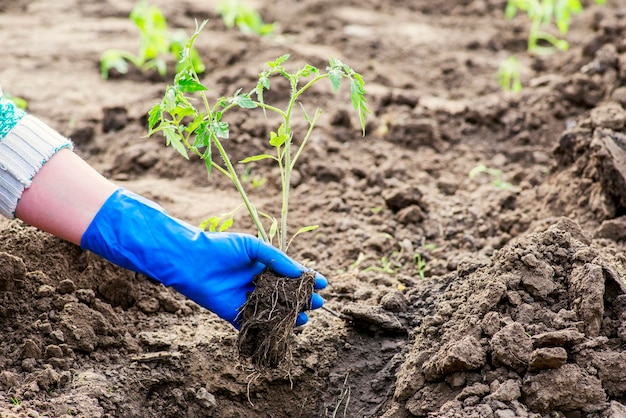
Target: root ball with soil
[[269, 315]]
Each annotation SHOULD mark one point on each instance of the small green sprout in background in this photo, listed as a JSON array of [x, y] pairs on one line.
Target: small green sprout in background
[[14, 401], [199, 132], [544, 15], [494, 173], [240, 14], [421, 265], [356, 263], [386, 264], [396, 260], [17, 101], [156, 43], [509, 75], [254, 180]]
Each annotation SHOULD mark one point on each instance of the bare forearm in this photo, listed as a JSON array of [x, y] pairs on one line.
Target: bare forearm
[[64, 196]]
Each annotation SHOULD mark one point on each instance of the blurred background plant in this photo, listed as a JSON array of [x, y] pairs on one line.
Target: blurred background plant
[[157, 45], [550, 21], [18, 101], [240, 14]]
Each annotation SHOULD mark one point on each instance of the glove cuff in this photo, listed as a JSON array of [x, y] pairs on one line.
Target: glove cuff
[[26, 144]]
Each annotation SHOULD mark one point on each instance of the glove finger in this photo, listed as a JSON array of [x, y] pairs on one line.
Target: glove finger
[[320, 281], [230, 310], [302, 319], [277, 260], [282, 264], [316, 301]]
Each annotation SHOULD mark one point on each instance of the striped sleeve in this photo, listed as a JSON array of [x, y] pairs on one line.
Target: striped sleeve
[[26, 144]]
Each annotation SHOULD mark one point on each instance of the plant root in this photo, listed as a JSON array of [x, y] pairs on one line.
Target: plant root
[[268, 318]]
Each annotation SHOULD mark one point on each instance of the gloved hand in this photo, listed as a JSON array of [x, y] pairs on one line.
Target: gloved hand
[[213, 269]]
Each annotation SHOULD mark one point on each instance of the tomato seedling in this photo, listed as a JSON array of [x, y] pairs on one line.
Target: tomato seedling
[[156, 43], [270, 311], [494, 173], [543, 16], [241, 14], [200, 131], [509, 75]]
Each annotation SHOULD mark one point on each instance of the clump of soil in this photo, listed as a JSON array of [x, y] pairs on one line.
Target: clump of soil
[[539, 327], [269, 315]]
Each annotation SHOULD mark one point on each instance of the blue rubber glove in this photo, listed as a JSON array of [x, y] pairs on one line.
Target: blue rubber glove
[[213, 269]]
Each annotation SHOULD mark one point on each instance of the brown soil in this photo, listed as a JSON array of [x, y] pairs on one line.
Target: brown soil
[[520, 309]]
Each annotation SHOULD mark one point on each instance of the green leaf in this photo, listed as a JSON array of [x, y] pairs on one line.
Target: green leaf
[[20, 102], [264, 81], [203, 135], [210, 223], [197, 122], [562, 44], [220, 129], [510, 10], [112, 60], [267, 29], [154, 115], [257, 158], [334, 62], [307, 229], [169, 100], [226, 224], [307, 71], [475, 171], [359, 102], [335, 76], [189, 85], [263, 84], [335, 72], [173, 139], [221, 102], [278, 139], [306, 115], [302, 230], [244, 101], [278, 61], [563, 13], [182, 111], [273, 229]]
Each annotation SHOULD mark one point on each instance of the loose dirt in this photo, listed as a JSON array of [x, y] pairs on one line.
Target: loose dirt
[[500, 294]]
